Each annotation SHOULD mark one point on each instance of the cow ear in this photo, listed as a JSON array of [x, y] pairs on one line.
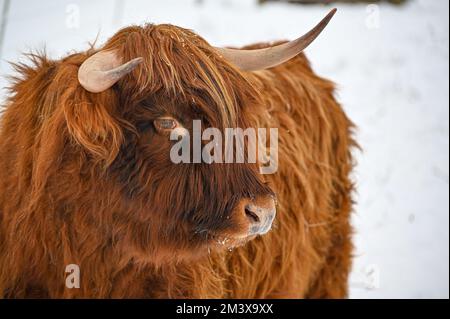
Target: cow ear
[[93, 122]]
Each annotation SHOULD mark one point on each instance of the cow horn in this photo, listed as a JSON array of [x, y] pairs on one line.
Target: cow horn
[[102, 70], [253, 60]]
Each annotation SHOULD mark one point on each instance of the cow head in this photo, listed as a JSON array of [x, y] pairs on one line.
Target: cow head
[[158, 79]]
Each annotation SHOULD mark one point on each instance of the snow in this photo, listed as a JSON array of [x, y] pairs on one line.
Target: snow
[[392, 68]]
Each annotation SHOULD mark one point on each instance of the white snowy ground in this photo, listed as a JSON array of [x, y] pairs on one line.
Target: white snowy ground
[[392, 67]]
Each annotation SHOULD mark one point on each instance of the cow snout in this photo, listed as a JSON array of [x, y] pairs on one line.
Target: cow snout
[[259, 213]]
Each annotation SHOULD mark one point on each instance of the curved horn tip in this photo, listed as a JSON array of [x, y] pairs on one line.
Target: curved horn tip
[[328, 17], [102, 70], [135, 62], [332, 13]]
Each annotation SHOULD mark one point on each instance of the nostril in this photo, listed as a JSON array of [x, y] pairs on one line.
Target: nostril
[[251, 215]]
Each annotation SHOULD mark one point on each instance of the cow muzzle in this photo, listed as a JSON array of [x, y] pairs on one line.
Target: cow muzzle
[[257, 215]]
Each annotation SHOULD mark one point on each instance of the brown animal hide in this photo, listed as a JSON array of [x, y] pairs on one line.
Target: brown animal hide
[[85, 178]]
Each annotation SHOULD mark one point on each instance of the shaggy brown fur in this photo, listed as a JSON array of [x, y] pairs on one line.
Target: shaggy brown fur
[[86, 180]]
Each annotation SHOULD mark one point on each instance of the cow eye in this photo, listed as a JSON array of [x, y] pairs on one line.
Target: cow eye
[[165, 124]]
